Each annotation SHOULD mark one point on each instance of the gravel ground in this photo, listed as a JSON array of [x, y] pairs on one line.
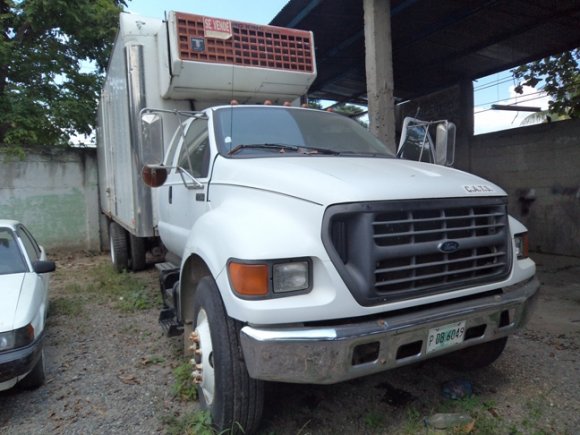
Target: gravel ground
[[111, 371]]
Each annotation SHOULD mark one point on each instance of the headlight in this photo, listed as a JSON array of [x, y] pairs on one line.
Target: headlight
[[290, 277], [521, 245], [18, 338], [266, 279]]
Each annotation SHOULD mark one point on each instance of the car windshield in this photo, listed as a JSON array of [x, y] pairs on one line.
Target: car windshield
[[11, 260], [268, 131]]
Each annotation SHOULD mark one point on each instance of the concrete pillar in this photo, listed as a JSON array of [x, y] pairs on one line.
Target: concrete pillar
[[379, 68]]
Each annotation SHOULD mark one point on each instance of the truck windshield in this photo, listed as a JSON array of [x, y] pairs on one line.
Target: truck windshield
[[283, 131]]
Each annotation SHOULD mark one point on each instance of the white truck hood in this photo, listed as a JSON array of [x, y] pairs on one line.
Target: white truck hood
[[330, 180], [11, 287]]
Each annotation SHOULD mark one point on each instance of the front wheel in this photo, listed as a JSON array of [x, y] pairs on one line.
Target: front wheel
[[37, 376], [234, 400], [475, 357]]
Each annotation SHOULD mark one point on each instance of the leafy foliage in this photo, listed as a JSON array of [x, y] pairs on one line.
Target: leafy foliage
[[52, 56], [559, 77]]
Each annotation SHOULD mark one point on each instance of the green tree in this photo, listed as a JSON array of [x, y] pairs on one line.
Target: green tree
[[45, 93], [559, 77]]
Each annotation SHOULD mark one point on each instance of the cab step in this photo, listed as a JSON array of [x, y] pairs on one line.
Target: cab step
[[169, 323]]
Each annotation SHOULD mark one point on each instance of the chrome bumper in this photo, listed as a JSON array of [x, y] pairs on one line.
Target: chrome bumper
[[326, 355]]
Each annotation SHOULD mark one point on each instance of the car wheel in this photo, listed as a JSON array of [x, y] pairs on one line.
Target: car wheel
[[234, 400], [119, 251], [36, 377], [475, 357], [137, 259]]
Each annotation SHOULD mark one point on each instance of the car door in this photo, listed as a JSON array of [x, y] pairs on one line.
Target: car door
[[183, 197], [40, 281]]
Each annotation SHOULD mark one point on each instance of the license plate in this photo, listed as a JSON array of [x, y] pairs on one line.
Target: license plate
[[445, 336]]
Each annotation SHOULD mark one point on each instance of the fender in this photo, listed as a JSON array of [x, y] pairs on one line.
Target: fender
[[249, 224]]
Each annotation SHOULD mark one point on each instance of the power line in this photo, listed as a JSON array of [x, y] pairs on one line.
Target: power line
[[521, 101], [492, 84]]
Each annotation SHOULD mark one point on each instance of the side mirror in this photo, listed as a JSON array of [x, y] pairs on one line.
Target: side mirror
[[445, 143], [43, 266], [154, 175], [152, 135]]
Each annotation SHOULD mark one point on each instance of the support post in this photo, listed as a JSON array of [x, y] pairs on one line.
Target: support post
[[379, 70]]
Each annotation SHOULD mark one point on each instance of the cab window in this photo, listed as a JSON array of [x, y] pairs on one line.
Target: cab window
[[195, 152]]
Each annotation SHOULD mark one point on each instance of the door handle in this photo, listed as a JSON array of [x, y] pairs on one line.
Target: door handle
[[170, 194]]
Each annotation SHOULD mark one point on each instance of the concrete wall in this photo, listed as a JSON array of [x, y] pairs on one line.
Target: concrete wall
[[539, 167], [55, 196]]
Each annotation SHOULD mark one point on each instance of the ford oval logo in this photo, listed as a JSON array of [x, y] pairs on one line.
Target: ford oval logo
[[448, 247]]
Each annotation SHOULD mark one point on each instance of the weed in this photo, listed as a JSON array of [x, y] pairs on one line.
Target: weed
[[195, 423], [152, 360], [65, 306], [183, 387], [374, 419], [413, 422], [123, 290]]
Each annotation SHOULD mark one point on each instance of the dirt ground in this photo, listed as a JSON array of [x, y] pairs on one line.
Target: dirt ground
[[111, 371]]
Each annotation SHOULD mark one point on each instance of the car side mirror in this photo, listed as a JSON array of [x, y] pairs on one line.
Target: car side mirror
[[152, 135], [445, 143], [40, 266], [154, 175]]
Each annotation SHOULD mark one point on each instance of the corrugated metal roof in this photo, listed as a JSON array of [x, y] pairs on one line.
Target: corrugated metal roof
[[435, 43]]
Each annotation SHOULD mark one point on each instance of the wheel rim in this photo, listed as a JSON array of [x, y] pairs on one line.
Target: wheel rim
[[204, 372]]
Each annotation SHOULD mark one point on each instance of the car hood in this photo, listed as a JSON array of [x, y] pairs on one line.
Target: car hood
[[11, 287], [330, 180]]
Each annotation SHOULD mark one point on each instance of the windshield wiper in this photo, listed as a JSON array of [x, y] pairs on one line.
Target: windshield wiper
[[269, 146], [363, 154], [316, 150]]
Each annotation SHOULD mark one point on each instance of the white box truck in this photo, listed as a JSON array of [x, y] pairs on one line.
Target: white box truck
[[298, 248]]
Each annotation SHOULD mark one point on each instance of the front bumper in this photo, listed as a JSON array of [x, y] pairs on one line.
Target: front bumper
[[326, 355], [18, 362]]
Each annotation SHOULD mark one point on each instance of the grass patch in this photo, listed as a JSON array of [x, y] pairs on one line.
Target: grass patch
[[195, 423], [124, 291], [374, 419], [183, 387], [65, 306], [488, 420]]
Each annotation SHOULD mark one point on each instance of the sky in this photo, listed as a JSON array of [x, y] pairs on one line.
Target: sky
[[495, 89], [252, 11], [499, 89]]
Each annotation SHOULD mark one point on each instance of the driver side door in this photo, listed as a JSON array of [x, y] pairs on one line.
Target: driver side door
[[183, 198]]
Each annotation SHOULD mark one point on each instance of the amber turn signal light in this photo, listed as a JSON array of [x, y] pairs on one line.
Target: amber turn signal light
[[249, 279]]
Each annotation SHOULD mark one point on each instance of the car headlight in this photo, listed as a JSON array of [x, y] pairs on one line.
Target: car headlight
[[20, 337], [264, 279], [521, 245]]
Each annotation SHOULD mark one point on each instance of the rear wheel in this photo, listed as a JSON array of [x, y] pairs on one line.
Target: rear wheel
[[137, 259], [234, 400], [475, 357], [119, 243], [37, 376]]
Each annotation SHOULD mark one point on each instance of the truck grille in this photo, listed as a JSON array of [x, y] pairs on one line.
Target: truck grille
[[391, 251]]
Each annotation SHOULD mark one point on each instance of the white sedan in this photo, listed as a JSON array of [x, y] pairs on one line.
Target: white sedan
[[24, 273]]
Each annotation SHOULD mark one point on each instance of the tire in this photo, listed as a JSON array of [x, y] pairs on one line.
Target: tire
[[137, 259], [475, 357], [37, 376], [119, 247], [234, 400]]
